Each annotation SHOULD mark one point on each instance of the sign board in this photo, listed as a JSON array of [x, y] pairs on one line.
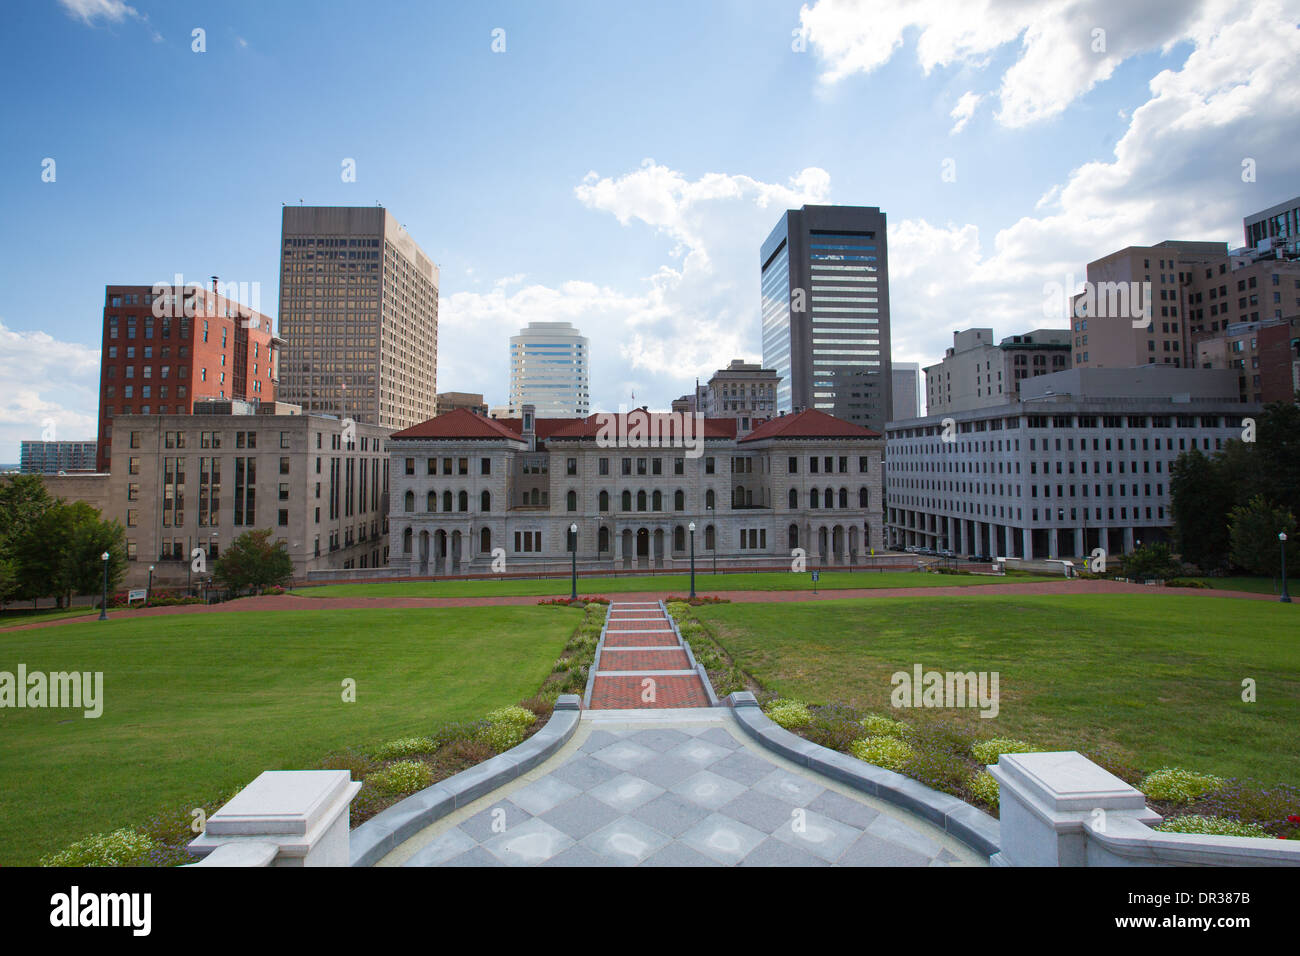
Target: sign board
[[817, 575], [137, 594]]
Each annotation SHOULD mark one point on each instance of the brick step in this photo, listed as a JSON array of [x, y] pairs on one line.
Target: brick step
[[642, 639], [635, 659], [624, 693]]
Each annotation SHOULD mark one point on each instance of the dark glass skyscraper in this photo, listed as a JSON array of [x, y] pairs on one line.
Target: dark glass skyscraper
[[825, 312]]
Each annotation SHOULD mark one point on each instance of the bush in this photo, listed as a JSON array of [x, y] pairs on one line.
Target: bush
[[506, 726], [1212, 826], [124, 847], [988, 751], [1185, 583], [877, 725], [984, 788], [945, 772], [405, 747], [405, 776], [887, 752], [789, 713], [456, 730], [1179, 786], [1271, 808]]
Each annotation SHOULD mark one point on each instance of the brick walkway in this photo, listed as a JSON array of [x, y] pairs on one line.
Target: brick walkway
[[642, 662]]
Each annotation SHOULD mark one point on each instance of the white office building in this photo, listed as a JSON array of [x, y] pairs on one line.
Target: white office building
[[550, 369]]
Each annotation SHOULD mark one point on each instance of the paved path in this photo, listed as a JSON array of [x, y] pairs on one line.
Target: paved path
[[643, 663], [681, 787], [296, 602]]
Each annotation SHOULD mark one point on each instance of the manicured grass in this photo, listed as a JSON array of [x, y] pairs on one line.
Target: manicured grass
[[1252, 584], [197, 705], [14, 617], [1157, 679], [705, 583]]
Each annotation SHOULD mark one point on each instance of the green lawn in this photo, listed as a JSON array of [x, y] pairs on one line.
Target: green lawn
[[196, 705], [705, 583], [1252, 584], [1158, 678], [14, 617]]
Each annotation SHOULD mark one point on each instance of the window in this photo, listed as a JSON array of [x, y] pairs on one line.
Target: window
[[484, 465], [571, 500], [709, 467], [284, 517], [571, 466], [485, 502], [604, 501], [410, 466]]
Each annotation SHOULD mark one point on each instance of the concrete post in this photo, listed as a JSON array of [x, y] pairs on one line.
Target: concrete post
[[1050, 801], [300, 814]]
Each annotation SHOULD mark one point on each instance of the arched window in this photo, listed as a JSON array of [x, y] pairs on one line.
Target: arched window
[[657, 502], [679, 501], [679, 538], [410, 501], [793, 536], [813, 498], [640, 501], [446, 501], [627, 501], [604, 501], [464, 501], [485, 502], [485, 539], [431, 501], [794, 500], [535, 497], [603, 540], [738, 497], [406, 541], [844, 497], [571, 501], [709, 499], [709, 538], [863, 498], [829, 500]]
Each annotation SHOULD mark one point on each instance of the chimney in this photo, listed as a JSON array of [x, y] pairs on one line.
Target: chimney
[[214, 285]]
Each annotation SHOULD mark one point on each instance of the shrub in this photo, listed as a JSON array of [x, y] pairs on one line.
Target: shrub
[[1213, 826], [540, 704], [988, 751], [506, 725], [405, 776], [877, 725], [1179, 786], [467, 753], [937, 769], [834, 727], [124, 847], [1271, 808], [887, 752], [984, 788], [1185, 583], [357, 764], [456, 730], [789, 713], [405, 747]]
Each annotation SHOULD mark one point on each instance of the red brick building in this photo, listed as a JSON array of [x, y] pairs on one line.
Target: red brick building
[[167, 347]]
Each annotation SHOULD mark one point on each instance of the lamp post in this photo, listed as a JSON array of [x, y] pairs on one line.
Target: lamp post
[[189, 565], [1281, 537], [103, 607], [691, 528], [573, 532], [148, 593]]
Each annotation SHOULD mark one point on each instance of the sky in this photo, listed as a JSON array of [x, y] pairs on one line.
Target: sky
[[617, 165]]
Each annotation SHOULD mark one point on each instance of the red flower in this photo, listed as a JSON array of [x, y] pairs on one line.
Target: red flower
[[1293, 818]]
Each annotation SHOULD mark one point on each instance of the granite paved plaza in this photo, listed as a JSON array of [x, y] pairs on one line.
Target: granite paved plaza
[[676, 788]]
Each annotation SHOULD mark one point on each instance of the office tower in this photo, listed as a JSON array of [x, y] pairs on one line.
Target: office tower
[[907, 390], [743, 391], [359, 314], [825, 312], [1277, 227], [450, 401], [163, 352], [975, 373], [550, 368], [52, 457]]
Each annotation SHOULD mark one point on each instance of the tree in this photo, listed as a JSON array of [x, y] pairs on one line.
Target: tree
[[59, 553], [253, 562], [1151, 561], [1279, 455], [1254, 530], [23, 500], [1200, 499]]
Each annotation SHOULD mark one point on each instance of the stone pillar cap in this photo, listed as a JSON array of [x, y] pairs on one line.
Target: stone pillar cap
[[288, 802], [1066, 782]]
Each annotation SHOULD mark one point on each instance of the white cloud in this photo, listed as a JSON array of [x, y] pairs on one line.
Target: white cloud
[[1066, 46], [112, 11], [45, 380], [964, 110]]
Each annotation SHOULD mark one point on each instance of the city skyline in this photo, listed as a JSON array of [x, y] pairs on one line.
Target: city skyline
[[653, 255]]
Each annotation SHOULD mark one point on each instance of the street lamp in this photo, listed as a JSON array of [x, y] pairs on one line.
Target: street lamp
[[573, 532], [149, 590], [103, 607], [1281, 537], [691, 528]]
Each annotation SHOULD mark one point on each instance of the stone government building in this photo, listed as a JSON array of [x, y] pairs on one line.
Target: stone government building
[[463, 485]]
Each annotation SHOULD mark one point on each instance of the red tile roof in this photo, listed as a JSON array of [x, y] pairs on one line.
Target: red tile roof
[[810, 423], [544, 427], [458, 424]]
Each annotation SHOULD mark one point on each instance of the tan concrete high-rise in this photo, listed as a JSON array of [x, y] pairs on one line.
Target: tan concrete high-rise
[[359, 314]]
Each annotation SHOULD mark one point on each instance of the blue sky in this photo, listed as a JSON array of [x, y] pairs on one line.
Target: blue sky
[[617, 165]]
